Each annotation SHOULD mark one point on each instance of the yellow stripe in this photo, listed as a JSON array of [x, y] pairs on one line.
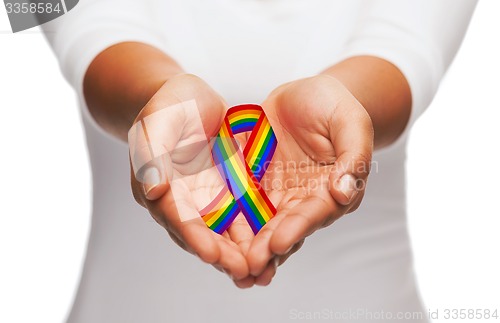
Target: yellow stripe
[[257, 145], [244, 116], [250, 158], [263, 137], [251, 152], [227, 199]]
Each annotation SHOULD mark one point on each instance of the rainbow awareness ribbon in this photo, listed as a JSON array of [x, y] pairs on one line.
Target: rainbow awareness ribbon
[[242, 171]]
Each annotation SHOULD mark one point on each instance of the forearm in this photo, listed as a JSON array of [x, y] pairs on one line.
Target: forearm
[[382, 89], [121, 80]]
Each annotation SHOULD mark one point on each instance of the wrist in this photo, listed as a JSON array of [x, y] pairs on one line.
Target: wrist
[[381, 89], [121, 80]]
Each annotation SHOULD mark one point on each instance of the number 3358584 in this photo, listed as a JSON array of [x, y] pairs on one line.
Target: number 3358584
[[25, 7]]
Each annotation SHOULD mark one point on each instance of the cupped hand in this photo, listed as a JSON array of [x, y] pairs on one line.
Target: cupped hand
[[172, 173], [319, 170], [317, 174]]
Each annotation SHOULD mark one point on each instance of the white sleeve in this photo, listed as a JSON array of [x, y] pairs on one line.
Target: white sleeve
[[94, 25], [420, 37]]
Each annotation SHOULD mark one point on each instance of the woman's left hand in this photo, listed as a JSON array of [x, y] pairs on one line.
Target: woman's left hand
[[319, 170]]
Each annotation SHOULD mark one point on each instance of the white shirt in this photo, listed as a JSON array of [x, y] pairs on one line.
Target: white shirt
[[354, 270]]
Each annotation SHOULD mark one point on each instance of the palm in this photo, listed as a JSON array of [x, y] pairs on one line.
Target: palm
[[294, 176], [298, 176], [309, 118]]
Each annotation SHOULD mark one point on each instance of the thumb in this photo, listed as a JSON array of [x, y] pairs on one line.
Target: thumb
[[150, 162], [351, 132], [153, 140], [170, 129]]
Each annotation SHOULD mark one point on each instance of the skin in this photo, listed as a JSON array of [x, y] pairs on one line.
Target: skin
[[353, 107]]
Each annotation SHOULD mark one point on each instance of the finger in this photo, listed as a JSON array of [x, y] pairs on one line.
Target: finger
[[302, 220], [215, 250], [176, 122], [198, 239], [246, 282], [269, 272], [154, 178], [241, 233], [351, 132], [152, 140], [231, 259], [259, 253], [180, 218]]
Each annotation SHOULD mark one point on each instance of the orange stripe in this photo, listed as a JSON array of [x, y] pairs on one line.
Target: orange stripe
[[246, 111], [218, 207], [255, 143]]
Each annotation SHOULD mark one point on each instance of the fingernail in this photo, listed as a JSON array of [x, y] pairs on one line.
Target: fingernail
[[347, 185], [276, 262], [151, 179]]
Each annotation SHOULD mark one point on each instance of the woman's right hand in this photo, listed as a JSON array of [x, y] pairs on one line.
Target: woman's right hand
[[172, 174]]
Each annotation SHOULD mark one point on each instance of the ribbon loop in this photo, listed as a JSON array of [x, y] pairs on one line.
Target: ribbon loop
[[242, 171]]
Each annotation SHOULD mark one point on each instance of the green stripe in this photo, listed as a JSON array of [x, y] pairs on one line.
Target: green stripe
[[236, 123], [262, 150], [223, 215], [222, 148], [235, 176], [254, 208]]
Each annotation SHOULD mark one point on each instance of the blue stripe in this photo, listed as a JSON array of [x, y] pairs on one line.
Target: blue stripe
[[228, 219], [266, 157], [243, 127], [248, 213]]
